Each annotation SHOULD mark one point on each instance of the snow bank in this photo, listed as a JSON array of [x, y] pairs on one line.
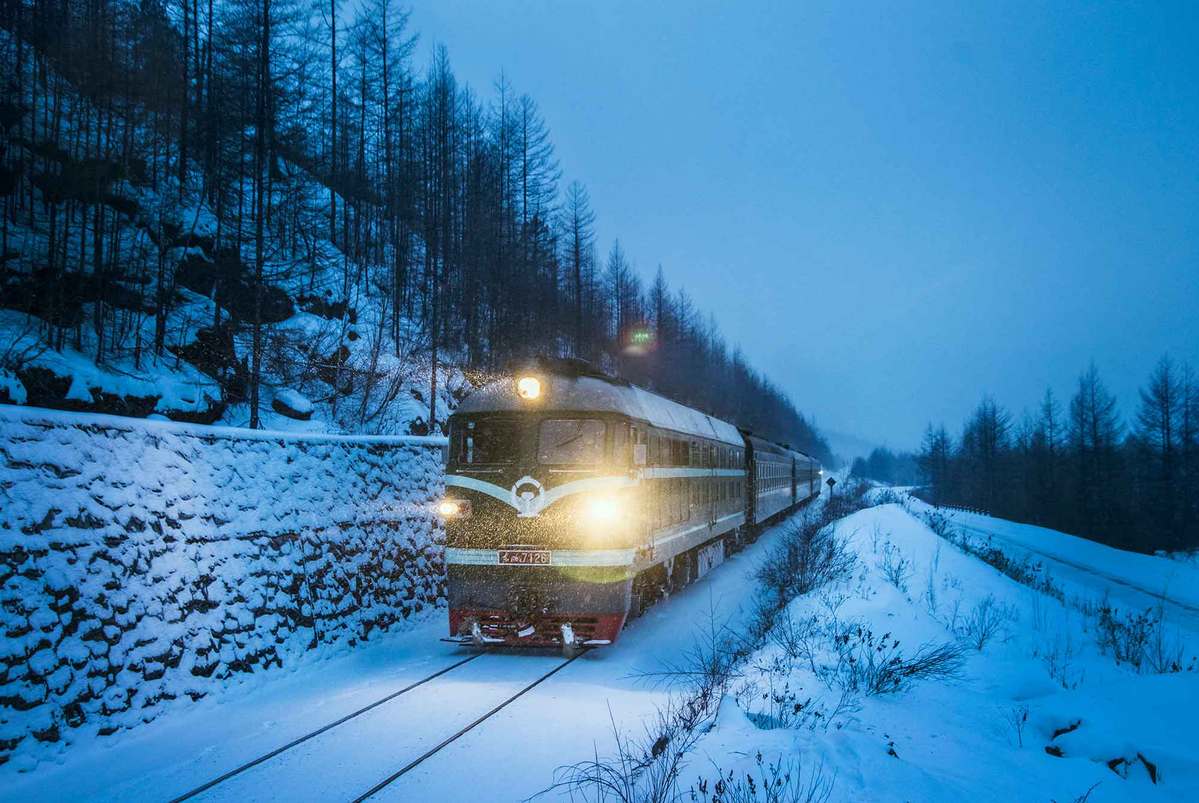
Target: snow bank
[[145, 561], [1037, 711]]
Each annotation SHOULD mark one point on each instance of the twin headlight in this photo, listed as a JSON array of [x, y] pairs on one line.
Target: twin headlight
[[453, 508], [602, 510]]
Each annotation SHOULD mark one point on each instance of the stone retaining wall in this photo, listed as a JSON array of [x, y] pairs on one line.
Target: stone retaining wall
[[143, 562]]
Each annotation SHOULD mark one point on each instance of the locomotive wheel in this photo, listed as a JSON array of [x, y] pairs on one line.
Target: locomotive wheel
[[683, 571], [648, 588]]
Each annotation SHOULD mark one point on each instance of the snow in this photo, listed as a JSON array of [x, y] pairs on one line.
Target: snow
[[940, 739], [292, 399], [165, 383], [594, 394], [147, 562], [954, 739], [11, 388], [1138, 581], [520, 747]]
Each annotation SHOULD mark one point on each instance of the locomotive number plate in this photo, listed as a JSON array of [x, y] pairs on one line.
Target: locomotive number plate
[[525, 557]]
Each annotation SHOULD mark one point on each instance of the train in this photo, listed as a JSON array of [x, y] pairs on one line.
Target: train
[[575, 500]]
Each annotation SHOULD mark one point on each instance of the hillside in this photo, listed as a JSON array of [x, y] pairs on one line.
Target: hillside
[[247, 218]]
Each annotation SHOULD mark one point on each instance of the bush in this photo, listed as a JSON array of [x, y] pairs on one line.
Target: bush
[[1059, 662], [1027, 571], [851, 657], [874, 665], [644, 770], [985, 621], [896, 568], [887, 496], [780, 782], [810, 556], [848, 500], [1140, 640], [647, 768]]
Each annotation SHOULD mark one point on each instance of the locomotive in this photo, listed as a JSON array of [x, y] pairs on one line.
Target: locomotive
[[574, 500]]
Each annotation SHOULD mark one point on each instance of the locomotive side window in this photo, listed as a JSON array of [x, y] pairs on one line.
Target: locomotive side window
[[489, 441], [570, 440]]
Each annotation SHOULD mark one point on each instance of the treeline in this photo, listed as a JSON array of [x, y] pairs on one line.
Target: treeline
[[892, 468], [1079, 467], [396, 200]]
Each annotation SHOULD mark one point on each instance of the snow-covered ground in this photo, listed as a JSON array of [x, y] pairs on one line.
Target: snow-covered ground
[[515, 753], [980, 735], [987, 733], [1132, 580]]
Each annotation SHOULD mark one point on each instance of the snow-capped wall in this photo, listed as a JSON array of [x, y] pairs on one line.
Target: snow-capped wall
[[144, 561]]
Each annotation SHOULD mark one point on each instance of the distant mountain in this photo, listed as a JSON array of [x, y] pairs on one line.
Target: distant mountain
[[846, 447]]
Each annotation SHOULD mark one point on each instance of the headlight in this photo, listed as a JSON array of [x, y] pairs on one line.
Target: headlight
[[453, 508], [602, 510], [528, 387]]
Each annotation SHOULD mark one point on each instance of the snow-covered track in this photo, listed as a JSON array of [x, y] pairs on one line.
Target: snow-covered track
[[204, 787], [1158, 596], [463, 731]]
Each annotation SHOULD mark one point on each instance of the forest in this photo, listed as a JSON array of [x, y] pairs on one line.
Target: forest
[[886, 466], [218, 210], [1079, 467]]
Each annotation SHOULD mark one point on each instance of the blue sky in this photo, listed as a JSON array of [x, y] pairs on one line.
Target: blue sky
[[893, 208]]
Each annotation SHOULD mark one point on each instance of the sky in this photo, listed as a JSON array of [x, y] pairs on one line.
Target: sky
[[892, 208]]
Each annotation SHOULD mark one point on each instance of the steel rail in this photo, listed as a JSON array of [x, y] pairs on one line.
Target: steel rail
[[313, 734], [462, 732]]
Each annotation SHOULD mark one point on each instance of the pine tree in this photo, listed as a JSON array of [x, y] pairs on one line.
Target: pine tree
[[1094, 437]]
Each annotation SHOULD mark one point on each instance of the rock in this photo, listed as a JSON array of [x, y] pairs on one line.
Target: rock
[[212, 352], [125, 205], [226, 279], [327, 308], [291, 404]]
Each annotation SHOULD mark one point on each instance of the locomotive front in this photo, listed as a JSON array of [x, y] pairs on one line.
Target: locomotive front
[[542, 512]]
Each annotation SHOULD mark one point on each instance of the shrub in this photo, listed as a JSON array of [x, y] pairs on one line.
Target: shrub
[[780, 782], [810, 556], [1027, 571], [848, 500], [1017, 719], [888, 496], [985, 621], [642, 770], [896, 568], [1140, 640], [870, 664], [1058, 658]]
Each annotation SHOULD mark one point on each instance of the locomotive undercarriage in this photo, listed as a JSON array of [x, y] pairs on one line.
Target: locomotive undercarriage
[[576, 607]]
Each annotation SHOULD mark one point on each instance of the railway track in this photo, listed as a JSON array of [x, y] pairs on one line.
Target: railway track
[[410, 765], [395, 776], [1158, 595]]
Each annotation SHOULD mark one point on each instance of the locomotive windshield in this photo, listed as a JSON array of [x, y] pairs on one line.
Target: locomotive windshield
[[494, 440], [570, 440]]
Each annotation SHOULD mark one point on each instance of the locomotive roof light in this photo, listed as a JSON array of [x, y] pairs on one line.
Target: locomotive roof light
[[528, 388]]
